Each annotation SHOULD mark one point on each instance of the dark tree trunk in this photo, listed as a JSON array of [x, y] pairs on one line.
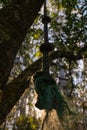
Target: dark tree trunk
[[15, 20]]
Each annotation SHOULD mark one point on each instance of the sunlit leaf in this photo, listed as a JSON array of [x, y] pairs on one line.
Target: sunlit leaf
[[38, 54]]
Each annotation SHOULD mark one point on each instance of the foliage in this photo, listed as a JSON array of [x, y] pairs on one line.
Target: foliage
[[26, 123], [5, 2]]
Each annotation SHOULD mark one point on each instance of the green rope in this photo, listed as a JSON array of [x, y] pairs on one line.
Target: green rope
[[49, 95]]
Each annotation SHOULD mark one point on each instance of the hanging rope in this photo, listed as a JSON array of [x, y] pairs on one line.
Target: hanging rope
[[49, 95], [46, 47]]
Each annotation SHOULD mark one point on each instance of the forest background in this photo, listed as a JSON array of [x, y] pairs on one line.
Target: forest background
[[21, 34]]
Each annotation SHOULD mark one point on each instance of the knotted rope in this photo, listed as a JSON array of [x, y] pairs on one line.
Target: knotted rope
[[49, 95]]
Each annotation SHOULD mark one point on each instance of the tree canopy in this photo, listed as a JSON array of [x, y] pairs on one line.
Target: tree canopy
[[67, 30]]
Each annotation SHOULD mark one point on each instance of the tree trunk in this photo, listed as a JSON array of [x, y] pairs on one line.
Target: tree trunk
[[15, 20]]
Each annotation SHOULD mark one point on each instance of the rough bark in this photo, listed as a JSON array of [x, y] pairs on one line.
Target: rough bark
[[15, 20]]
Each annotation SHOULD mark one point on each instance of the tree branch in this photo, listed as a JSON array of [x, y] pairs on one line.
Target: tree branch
[[16, 88]]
